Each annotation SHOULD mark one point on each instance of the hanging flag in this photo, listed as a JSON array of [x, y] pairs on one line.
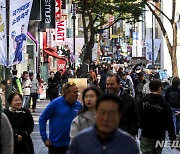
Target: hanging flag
[[3, 38], [18, 24], [157, 46]]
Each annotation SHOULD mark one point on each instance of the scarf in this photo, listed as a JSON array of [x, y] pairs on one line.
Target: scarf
[[16, 111]]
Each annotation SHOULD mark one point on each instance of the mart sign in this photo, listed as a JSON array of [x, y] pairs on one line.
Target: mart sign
[[61, 31]]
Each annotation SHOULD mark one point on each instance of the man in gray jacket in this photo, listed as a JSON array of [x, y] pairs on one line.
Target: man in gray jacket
[[104, 136], [34, 90]]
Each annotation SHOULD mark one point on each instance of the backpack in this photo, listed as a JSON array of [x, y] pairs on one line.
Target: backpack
[[126, 86], [174, 97], [139, 88]]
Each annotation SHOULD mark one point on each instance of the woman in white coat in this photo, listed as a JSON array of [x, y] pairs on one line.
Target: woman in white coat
[[86, 116]]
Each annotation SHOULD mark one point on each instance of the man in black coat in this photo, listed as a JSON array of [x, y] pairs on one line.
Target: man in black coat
[[130, 118]]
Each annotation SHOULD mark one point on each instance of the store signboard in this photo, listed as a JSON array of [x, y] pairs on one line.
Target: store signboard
[[61, 31]]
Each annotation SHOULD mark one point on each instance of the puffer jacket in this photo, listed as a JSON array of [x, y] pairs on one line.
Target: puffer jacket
[[82, 121]]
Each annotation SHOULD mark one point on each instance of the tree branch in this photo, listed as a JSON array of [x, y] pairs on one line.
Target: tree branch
[[112, 23], [159, 11], [162, 28], [173, 10]]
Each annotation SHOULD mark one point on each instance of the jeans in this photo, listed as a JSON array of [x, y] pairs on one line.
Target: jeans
[[147, 146], [176, 120], [26, 101]]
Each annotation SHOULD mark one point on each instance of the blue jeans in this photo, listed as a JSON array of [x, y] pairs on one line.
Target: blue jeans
[[176, 120], [26, 101]]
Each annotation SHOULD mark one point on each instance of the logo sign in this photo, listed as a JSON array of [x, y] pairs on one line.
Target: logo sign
[[61, 31], [61, 64], [48, 13], [58, 10]]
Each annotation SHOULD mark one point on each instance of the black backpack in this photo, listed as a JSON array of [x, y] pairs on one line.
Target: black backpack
[[174, 97], [139, 88]]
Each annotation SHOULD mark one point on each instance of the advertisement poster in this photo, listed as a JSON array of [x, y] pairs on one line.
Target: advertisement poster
[[18, 24], [3, 38], [157, 45]]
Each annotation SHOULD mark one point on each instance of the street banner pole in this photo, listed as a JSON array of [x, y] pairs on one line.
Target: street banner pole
[[8, 77]]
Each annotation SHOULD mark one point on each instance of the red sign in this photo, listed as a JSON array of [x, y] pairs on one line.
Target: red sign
[[58, 10], [61, 64], [60, 31]]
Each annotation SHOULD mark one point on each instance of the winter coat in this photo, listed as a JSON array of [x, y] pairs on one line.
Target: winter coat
[[22, 124], [81, 122], [90, 142], [156, 117], [130, 116], [52, 85], [173, 88]]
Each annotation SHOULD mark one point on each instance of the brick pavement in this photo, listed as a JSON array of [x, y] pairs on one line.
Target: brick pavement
[[39, 145]]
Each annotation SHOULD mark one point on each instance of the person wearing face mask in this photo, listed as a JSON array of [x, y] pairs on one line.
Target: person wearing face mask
[[86, 116], [22, 124], [52, 86]]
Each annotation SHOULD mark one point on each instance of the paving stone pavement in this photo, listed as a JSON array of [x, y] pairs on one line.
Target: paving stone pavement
[[39, 146]]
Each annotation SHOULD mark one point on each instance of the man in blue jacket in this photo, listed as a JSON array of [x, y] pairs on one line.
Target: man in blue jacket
[[105, 137], [60, 112]]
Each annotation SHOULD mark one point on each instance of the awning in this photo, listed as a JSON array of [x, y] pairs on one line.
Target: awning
[[53, 52]]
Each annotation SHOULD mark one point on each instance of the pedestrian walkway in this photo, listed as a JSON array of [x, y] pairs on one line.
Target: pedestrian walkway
[[39, 146]]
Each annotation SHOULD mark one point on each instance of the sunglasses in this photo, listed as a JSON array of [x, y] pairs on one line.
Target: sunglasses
[[71, 83]]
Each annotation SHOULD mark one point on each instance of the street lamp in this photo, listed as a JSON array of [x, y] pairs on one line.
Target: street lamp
[[74, 28]]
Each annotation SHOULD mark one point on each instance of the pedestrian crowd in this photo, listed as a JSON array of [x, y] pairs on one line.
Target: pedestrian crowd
[[115, 107]]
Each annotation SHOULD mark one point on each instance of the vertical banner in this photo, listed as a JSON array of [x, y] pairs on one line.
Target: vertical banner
[[48, 14], [3, 38], [61, 31], [18, 24], [58, 10], [157, 45]]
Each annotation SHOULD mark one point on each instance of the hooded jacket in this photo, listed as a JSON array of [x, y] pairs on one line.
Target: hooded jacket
[[156, 117], [82, 121]]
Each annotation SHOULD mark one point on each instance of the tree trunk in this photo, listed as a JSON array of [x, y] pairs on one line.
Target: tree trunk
[[88, 39], [174, 50], [174, 62], [172, 47]]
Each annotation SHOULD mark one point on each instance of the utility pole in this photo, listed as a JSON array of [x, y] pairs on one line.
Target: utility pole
[[8, 77], [74, 29]]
